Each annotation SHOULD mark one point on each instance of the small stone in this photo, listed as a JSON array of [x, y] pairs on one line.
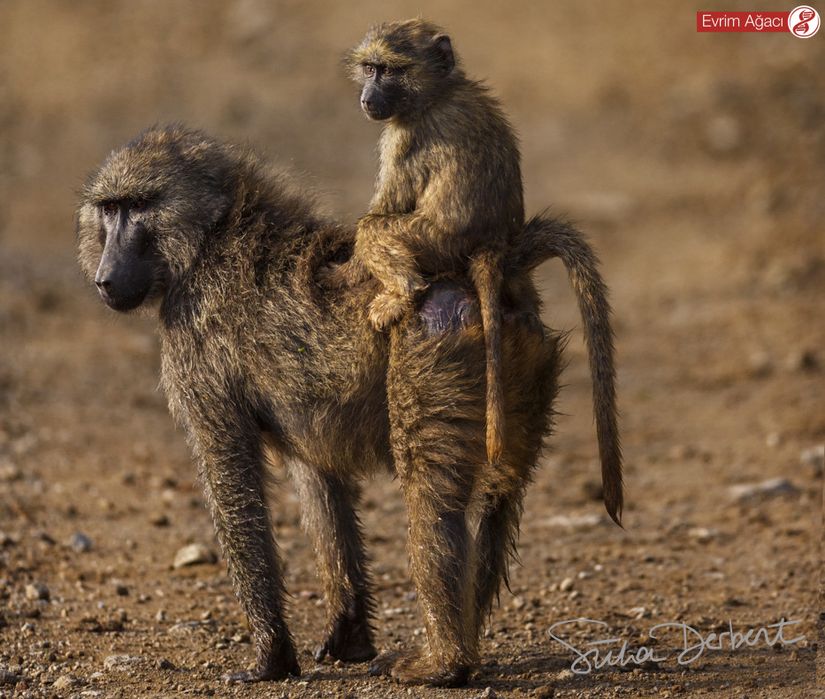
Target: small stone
[[159, 519], [760, 365], [814, 458], [161, 615], [79, 542], [8, 678], [638, 613], [121, 663], [9, 473], [566, 584], [564, 675], [488, 693], [803, 361], [164, 664], [193, 554], [120, 588], [773, 487], [575, 523], [723, 134], [63, 683], [702, 534], [37, 591], [773, 440], [7, 539], [518, 603]]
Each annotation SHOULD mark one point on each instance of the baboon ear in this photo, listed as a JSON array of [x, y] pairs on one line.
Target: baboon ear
[[444, 48]]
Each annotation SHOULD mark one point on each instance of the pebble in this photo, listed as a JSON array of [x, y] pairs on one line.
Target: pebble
[[79, 542], [579, 522], [723, 134], [7, 539], [121, 663], [638, 613], [165, 664], [36, 591], [488, 693], [10, 473], [802, 360], [120, 588], [566, 584], [772, 487], [760, 365], [518, 603], [159, 519], [702, 534], [193, 554], [7, 677], [61, 684], [814, 458]]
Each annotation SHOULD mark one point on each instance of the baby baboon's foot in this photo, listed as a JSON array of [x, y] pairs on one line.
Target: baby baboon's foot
[[349, 641], [387, 308], [278, 666], [417, 667]]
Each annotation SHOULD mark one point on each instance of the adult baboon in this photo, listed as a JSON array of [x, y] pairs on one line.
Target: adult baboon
[[254, 352]]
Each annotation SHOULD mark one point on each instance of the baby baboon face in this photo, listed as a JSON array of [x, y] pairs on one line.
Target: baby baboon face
[[401, 66]]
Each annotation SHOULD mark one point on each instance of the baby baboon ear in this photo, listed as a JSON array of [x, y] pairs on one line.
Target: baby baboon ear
[[444, 47]]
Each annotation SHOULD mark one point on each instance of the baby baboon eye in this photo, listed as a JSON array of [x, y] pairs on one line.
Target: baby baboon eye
[[139, 205], [369, 70], [109, 208]]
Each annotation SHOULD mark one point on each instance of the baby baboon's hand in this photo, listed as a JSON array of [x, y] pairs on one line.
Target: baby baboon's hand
[[341, 275]]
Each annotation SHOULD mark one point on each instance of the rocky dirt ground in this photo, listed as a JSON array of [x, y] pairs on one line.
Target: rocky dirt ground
[[695, 162]]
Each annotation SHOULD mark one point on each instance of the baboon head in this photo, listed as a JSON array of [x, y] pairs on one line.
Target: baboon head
[[403, 67], [145, 213]]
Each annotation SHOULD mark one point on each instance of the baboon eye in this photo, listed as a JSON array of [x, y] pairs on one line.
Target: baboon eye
[[109, 208], [139, 205], [369, 70]]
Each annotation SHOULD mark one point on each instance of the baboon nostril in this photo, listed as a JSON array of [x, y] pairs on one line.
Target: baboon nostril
[[366, 104], [103, 284]]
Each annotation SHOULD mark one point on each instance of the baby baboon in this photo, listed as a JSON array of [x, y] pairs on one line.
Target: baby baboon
[[448, 196], [254, 353]]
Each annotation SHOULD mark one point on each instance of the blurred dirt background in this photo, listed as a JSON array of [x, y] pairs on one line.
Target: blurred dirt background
[[696, 163]]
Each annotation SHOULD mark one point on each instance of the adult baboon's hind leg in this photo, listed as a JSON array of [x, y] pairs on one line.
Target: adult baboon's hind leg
[[531, 360], [328, 515], [437, 416]]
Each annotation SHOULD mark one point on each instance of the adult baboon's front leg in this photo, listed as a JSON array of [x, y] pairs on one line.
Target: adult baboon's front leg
[[232, 469], [329, 517]]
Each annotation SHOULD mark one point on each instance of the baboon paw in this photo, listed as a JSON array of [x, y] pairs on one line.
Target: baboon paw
[[417, 667], [383, 664], [276, 669], [347, 642], [386, 309]]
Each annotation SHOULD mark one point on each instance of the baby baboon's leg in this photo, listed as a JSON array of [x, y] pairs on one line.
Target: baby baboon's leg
[[232, 469], [329, 517], [383, 247]]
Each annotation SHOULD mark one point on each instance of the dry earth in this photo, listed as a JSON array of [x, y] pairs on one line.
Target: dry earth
[[695, 162]]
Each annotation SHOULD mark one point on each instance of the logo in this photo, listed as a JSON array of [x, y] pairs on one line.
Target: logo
[[803, 22]]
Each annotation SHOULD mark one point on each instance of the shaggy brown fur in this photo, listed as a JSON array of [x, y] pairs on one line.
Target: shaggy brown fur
[[255, 353]]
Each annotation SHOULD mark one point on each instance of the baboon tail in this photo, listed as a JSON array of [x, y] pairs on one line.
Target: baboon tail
[[485, 269], [543, 238]]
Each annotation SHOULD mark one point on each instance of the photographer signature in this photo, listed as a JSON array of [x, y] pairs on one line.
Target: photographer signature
[[615, 652]]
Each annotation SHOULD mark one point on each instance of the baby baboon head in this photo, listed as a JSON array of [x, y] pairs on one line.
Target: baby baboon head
[[403, 68]]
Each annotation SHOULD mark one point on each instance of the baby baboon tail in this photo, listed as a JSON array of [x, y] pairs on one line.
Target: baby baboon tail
[[485, 270]]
